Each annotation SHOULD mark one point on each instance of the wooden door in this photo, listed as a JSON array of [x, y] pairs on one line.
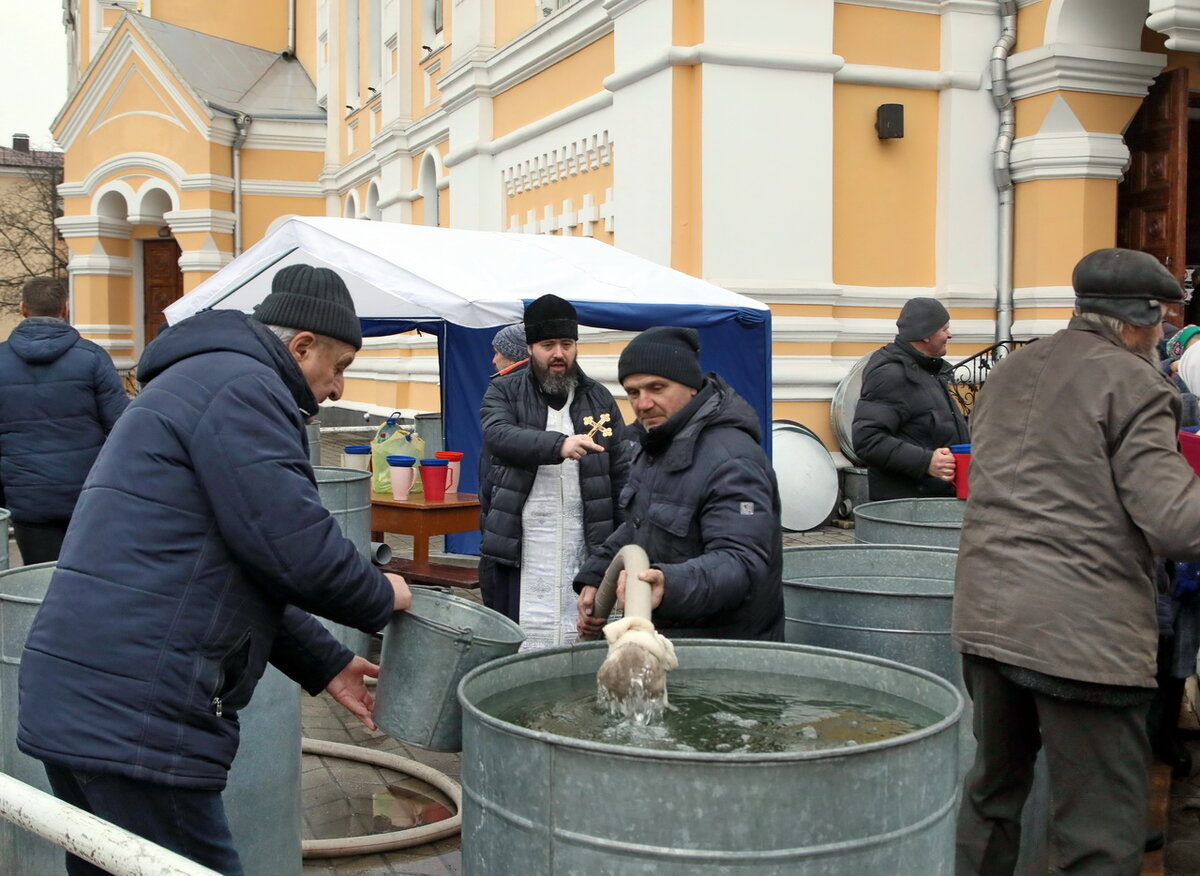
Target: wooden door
[[1152, 199], [162, 282]]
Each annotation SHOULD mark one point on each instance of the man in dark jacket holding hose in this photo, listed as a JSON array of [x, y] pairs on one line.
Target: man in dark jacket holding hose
[[702, 501], [198, 547]]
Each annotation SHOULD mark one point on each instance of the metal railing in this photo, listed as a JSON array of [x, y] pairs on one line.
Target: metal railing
[[82, 834], [969, 374]]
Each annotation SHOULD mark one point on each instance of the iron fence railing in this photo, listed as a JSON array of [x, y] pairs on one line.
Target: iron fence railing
[[969, 374]]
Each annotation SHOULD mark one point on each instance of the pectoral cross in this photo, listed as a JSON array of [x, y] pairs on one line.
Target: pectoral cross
[[598, 426]]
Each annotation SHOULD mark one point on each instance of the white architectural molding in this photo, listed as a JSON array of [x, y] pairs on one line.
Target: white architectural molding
[[1037, 328], [283, 188], [579, 156], [94, 264], [102, 330], [1044, 296], [1064, 67], [92, 226], [124, 165], [184, 221], [930, 7], [204, 260], [285, 136], [206, 182], [902, 77], [1083, 155], [1179, 20], [546, 124], [706, 53]]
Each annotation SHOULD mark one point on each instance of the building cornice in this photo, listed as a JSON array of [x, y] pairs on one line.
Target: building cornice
[[204, 260], [1063, 67], [92, 226], [215, 221], [102, 265], [1085, 155], [1179, 20], [282, 188]]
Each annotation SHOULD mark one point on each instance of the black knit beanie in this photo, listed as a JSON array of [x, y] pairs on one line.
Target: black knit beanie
[[312, 300], [920, 318], [664, 351], [550, 317]]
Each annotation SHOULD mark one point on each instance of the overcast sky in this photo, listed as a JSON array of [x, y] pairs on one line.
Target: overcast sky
[[33, 68]]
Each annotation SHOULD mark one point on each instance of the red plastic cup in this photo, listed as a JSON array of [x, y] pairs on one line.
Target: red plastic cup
[[962, 468], [454, 465], [433, 476]]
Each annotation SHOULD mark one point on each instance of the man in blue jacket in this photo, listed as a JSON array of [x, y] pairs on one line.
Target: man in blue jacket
[[702, 501], [198, 547], [61, 398]]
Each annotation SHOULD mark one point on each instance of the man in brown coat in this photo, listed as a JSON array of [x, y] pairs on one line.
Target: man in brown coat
[[1075, 484]]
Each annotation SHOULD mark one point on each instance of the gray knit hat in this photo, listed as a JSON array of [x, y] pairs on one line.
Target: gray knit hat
[[664, 351], [920, 318], [312, 300], [1125, 283], [509, 342]]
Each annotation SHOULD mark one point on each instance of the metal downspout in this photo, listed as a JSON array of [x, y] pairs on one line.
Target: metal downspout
[[242, 122], [290, 51], [1000, 168]]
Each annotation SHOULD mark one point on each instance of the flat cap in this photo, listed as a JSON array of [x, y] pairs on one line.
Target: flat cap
[[1125, 283]]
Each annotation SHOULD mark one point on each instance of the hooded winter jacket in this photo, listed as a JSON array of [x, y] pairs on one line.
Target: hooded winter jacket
[[198, 539], [904, 413], [515, 443], [706, 511], [60, 400]]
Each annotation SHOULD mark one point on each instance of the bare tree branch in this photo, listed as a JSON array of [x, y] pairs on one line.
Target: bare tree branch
[[30, 245]]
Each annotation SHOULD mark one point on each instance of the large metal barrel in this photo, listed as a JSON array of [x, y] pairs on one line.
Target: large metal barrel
[[538, 803], [21, 593], [927, 522], [313, 431], [5, 515], [346, 493], [262, 799]]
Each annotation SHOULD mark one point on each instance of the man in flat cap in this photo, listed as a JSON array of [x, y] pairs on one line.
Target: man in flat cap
[[703, 500], [906, 420], [1076, 484], [197, 549], [555, 439]]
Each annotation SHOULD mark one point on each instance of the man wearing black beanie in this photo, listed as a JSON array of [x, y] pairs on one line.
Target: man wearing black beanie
[[554, 448], [198, 548], [906, 420], [706, 504]]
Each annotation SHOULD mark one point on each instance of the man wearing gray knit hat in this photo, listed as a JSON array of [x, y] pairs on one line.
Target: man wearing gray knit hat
[[706, 507], [209, 464], [906, 420]]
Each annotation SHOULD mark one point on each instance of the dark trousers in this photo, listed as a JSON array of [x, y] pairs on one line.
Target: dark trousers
[[487, 584], [191, 823], [506, 590], [1097, 758], [39, 542]]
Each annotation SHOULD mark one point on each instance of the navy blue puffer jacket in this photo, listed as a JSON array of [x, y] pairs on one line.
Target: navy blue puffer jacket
[[198, 538], [61, 398]]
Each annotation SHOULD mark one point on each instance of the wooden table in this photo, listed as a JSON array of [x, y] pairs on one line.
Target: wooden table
[[458, 512]]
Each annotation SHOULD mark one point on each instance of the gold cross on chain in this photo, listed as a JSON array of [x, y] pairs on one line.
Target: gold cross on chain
[[598, 426]]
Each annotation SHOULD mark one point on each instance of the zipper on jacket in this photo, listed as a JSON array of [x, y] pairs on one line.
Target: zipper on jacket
[[218, 708]]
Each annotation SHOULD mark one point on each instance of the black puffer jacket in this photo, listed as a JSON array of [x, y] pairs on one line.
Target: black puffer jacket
[[515, 443], [905, 413], [706, 511]]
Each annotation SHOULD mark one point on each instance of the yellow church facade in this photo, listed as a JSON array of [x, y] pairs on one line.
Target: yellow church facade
[[831, 159]]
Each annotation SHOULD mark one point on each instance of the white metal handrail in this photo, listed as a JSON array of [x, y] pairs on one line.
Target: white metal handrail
[[82, 834]]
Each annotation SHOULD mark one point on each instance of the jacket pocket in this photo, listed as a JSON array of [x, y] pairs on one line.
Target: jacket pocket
[[231, 672], [674, 518]]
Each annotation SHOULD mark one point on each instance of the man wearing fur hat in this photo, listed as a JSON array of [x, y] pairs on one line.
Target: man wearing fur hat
[[197, 549], [703, 501], [555, 439], [1076, 484], [906, 420]]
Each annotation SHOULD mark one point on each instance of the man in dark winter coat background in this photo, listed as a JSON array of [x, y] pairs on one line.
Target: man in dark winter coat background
[[906, 420], [554, 441], [198, 547], [702, 501], [61, 398]]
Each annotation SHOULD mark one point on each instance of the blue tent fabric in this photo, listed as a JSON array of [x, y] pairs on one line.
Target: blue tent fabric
[[735, 343]]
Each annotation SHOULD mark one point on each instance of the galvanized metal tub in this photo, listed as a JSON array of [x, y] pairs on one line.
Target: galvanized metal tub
[[5, 515], [426, 653], [537, 803], [346, 494], [931, 522], [313, 432], [21, 593], [262, 798]]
